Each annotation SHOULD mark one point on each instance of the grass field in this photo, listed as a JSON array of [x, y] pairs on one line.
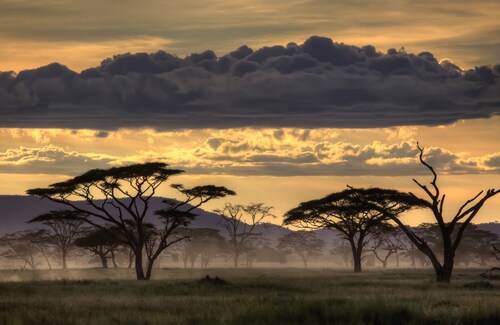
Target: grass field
[[255, 296]]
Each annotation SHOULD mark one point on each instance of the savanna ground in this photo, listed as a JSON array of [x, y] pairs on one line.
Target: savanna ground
[[247, 296]]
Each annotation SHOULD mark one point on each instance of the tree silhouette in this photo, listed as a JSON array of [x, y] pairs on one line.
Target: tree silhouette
[[28, 246], [451, 232], [303, 243], [384, 244], [183, 249], [343, 249], [495, 251], [253, 247], [348, 213], [240, 222], [100, 243], [480, 242], [65, 226], [126, 196], [408, 249], [207, 243]]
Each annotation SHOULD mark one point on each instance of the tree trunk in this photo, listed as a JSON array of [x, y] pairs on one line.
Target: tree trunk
[[192, 260], [47, 261], [104, 260], [412, 257], [443, 273], [64, 253], [356, 256], [149, 269], [304, 260], [113, 259], [130, 258], [204, 261], [235, 259], [139, 272], [357, 264]]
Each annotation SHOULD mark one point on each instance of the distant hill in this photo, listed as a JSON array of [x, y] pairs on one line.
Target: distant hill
[[493, 227], [16, 210]]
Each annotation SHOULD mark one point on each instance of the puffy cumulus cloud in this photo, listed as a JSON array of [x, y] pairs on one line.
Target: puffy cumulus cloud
[[487, 162], [291, 154], [50, 160], [320, 83], [323, 158]]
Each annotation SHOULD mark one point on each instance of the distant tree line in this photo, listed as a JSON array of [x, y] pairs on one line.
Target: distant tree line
[[116, 228], [50, 248]]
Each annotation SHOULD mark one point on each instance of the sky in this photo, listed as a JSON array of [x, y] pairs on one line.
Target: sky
[[281, 101]]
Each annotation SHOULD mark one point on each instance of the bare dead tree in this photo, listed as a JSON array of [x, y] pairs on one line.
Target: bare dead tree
[[451, 232]]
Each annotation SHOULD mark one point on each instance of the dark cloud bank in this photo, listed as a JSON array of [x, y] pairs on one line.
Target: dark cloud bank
[[317, 84]]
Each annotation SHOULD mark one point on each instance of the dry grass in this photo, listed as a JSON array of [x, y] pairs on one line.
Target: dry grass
[[255, 296]]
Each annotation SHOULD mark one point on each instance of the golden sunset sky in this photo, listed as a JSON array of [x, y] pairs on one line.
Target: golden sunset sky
[[279, 125]]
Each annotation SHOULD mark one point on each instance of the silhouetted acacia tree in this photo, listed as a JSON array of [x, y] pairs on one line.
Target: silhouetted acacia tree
[[253, 247], [64, 226], [303, 243], [495, 251], [343, 249], [240, 222], [206, 243], [182, 249], [408, 249], [178, 215], [384, 244], [126, 194], [28, 246], [480, 242], [100, 243], [346, 212]]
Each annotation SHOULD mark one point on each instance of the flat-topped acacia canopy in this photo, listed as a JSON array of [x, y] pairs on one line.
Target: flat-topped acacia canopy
[[148, 173], [127, 192], [354, 212]]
